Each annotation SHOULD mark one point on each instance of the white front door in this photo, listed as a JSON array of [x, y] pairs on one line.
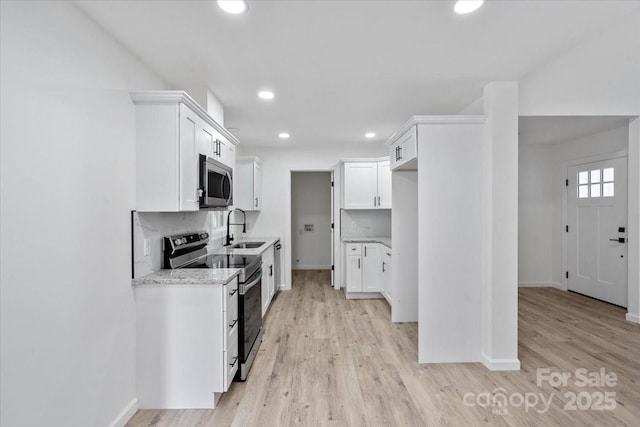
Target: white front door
[[597, 221]]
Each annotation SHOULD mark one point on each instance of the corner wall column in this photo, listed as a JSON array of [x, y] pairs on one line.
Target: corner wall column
[[500, 224]]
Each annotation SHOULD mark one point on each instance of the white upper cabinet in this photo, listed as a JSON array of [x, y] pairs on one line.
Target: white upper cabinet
[[404, 151], [384, 185], [247, 181], [172, 130], [367, 185]]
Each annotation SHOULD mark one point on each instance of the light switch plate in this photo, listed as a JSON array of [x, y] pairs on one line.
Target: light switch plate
[[147, 247]]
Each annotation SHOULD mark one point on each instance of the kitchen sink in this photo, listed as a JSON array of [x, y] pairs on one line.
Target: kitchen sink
[[248, 245]]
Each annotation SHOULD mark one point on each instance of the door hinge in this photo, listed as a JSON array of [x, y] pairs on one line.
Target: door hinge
[[332, 225], [333, 267], [332, 183], [566, 228], [566, 182], [566, 274]]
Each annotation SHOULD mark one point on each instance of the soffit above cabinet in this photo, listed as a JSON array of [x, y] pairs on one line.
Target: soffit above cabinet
[[178, 96]]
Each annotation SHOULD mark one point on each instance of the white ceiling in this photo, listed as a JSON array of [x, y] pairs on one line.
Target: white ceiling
[[342, 68]]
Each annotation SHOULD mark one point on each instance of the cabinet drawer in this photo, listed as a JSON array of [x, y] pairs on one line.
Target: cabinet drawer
[[231, 318], [231, 361], [230, 291], [353, 249]]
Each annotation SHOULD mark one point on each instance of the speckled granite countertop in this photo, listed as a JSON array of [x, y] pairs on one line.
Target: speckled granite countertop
[[384, 240], [188, 276]]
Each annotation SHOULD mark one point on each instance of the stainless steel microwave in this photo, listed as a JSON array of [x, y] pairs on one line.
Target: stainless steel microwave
[[216, 183]]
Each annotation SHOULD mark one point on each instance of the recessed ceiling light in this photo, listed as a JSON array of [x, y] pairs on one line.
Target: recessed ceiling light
[[234, 7], [266, 94], [467, 6], [284, 135], [370, 135]]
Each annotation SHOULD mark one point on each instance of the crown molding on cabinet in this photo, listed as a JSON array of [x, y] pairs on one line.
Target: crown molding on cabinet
[[422, 120], [177, 96]]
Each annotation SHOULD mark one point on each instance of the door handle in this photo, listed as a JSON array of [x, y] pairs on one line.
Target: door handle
[[619, 240]]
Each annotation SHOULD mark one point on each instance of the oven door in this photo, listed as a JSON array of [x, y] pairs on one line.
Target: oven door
[[216, 183], [250, 313]]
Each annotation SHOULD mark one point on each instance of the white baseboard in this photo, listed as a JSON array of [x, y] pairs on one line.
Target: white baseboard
[[127, 413], [311, 267], [541, 285], [632, 318], [500, 364]]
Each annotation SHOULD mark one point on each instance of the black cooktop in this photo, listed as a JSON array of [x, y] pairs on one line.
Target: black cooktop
[[222, 261]]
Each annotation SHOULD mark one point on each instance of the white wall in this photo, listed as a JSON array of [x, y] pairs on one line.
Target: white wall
[[450, 240], [311, 204], [535, 214], [365, 223], [68, 165], [277, 163], [600, 76]]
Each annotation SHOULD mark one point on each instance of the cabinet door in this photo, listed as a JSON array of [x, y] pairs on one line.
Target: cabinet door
[[360, 185], [265, 288], [384, 185], [188, 175], [371, 267], [385, 278], [257, 186], [354, 273], [403, 153], [227, 153]]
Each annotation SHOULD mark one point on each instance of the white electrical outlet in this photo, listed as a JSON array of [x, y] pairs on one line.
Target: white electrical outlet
[[147, 247]]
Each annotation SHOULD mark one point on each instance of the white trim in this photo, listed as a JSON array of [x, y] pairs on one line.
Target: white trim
[[500, 364], [632, 318], [311, 267], [541, 285], [420, 120], [178, 96], [127, 413]]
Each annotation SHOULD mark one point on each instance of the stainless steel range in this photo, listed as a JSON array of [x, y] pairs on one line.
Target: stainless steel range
[[189, 251]]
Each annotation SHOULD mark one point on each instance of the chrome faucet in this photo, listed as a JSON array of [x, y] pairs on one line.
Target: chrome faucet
[[229, 237]]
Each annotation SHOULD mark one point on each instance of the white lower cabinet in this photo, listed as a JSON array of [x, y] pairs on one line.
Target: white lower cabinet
[[268, 279], [385, 276], [187, 344], [365, 268]]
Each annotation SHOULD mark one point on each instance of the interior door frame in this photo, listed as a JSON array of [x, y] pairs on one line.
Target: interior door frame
[[335, 218], [565, 194]]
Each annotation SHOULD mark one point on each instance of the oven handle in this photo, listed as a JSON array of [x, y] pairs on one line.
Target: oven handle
[[245, 288]]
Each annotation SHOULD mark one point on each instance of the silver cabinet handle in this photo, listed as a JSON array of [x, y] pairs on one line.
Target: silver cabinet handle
[[379, 201], [365, 251], [374, 200], [234, 323]]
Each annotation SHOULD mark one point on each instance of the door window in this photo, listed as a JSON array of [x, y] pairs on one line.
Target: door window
[[595, 183]]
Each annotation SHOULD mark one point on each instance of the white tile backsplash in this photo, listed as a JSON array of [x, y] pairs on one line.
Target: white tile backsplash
[[154, 226], [365, 223]]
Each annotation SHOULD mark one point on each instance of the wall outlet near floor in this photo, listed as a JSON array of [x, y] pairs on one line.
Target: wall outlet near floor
[[147, 247]]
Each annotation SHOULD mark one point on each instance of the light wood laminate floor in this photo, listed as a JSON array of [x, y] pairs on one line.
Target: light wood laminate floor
[[328, 361]]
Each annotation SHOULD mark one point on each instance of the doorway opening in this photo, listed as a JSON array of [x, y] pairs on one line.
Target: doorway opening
[[573, 205], [312, 222]]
